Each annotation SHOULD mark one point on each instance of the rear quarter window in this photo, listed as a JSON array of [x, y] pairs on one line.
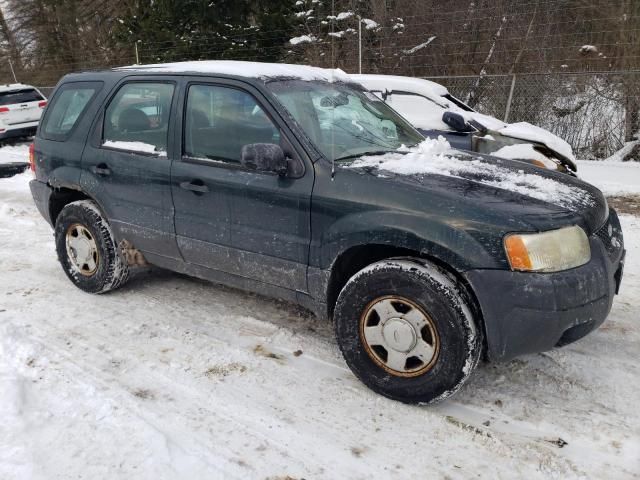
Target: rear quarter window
[[66, 109], [25, 95]]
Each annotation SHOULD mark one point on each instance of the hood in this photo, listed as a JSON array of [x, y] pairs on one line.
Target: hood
[[527, 133], [540, 198]]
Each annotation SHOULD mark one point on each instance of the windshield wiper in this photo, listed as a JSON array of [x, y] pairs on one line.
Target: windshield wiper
[[364, 154]]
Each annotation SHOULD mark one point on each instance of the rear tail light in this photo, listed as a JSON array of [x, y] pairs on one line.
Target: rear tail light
[[42, 104], [32, 157], [4, 109]]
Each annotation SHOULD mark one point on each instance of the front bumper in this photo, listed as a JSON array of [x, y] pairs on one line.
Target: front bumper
[[534, 312]]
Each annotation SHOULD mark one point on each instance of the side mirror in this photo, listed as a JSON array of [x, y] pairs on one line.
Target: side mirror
[[456, 121], [264, 157]]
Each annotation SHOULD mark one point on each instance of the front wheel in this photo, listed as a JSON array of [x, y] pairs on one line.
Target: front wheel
[[406, 331], [87, 249]]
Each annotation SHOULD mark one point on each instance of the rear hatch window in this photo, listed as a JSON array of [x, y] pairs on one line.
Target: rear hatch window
[[66, 108], [20, 96]]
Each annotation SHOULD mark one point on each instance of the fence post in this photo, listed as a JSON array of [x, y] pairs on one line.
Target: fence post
[[137, 56], [359, 44], [509, 100]]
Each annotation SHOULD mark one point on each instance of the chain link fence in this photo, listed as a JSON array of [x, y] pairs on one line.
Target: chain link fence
[[595, 113]]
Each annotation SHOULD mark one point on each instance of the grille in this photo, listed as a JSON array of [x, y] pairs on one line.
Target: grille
[[610, 234]]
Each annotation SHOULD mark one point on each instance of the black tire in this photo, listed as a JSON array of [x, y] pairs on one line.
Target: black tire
[[111, 269], [435, 293]]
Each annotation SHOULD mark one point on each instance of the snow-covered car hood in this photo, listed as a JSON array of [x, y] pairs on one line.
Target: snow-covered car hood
[[526, 132], [531, 191]]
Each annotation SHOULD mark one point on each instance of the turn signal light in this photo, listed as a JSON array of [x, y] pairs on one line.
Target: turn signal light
[[517, 253]]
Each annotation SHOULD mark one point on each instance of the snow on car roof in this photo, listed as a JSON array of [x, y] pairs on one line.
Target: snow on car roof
[[9, 87], [245, 69], [420, 86]]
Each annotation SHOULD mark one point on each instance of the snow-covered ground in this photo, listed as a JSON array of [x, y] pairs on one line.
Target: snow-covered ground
[[14, 153], [173, 378], [613, 178]]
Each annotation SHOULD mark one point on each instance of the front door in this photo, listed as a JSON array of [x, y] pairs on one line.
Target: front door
[[228, 218], [126, 166]]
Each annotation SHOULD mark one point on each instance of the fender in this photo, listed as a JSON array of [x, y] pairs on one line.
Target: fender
[[450, 244]]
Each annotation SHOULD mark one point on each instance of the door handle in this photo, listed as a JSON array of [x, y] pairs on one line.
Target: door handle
[[196, 186], [101, 169]]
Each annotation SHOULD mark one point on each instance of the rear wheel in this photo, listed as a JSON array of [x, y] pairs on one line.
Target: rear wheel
[[87, 250], [406, 331]]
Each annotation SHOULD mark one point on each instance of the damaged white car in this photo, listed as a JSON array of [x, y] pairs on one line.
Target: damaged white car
[[435, 112]]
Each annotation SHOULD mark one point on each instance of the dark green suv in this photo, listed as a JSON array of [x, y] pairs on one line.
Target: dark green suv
[[295, 183]]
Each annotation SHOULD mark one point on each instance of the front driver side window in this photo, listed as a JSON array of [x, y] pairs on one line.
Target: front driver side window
[[221, 120], [137, 119]]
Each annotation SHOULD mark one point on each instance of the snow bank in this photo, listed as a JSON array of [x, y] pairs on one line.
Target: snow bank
[[14, 153], [612, 178], [435, 157]]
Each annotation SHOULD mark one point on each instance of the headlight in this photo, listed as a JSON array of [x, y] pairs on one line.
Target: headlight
[[548, 251]]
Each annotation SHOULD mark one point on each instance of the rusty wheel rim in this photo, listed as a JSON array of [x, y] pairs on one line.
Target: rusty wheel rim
[[399, 336]]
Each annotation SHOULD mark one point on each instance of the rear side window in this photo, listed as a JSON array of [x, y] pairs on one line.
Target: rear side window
[[137, 119], [66, 108], [20, 96], [219, 121]]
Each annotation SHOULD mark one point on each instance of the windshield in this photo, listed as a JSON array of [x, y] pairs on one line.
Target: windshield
[[343, 121]]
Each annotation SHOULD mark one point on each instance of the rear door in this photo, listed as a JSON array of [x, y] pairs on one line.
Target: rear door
[[20, 107], [228, 218], [127, 163]]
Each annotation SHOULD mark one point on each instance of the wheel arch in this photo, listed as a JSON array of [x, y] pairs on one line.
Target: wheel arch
[[357, 257], [63, 196]]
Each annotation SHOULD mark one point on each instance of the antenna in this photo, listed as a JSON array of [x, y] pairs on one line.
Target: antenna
[[333, 143], [333, 23]]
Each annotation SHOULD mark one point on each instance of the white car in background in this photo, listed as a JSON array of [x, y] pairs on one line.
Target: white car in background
[[21, 107], [435, 112]]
